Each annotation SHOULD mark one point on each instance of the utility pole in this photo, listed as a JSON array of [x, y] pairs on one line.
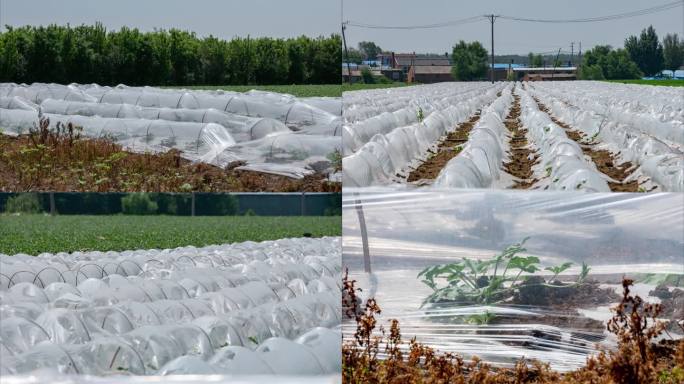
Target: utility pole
[[491, 18], [579, 56], [572, 52], [346, 52], [554, 64]]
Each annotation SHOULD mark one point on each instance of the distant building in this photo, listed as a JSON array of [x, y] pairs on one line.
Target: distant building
[[355, 73], [427, 74], [501, 71], [413, 67], [545, 73]]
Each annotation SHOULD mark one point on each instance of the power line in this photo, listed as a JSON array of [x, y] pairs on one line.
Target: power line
[[472, 19], [641, 12], [425, 26]]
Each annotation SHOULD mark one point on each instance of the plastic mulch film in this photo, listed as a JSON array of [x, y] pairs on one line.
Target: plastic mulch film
[[380, 148], [44, 377], [243, 128], [286, 108], [581, 135], [561, 165], [201, 124], [239, 309], [647, 131], [549, 301], [478, 165]]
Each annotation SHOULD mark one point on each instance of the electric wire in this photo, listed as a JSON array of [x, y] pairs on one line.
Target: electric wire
[[472, 19]]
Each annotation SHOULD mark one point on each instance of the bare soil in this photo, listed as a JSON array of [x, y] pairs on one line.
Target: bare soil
[[64, 164], [447, 149], [522, 158], [605, 161]]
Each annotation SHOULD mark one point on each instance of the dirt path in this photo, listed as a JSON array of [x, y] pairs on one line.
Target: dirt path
[[605, 161], [446, 150], [521, 157]]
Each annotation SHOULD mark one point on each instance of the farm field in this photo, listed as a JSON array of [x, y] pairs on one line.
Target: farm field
[[35, 234], [361, 86], [248, 308], [61, 164], [74, 136], [567, 136], [298, 90], [500, 274], [664, 83]]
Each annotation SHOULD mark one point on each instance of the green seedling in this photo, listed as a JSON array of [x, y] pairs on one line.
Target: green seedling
[[558, 269], [481, 318], [489, 281]]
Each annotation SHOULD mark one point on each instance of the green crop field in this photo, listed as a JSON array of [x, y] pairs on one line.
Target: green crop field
[[299, 90], [34, 234], [668, 83], [361, 86]]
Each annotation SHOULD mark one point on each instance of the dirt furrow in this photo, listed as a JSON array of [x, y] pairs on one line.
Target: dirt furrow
[[604, 160], [446, 150], [521, 157]]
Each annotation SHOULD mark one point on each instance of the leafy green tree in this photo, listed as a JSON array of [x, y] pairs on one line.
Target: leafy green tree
[[673, 52], [602, 62], [369, 50], [86, 54], [646, 51], [469, 61], [538, 61], [355, 56], [367, 76]]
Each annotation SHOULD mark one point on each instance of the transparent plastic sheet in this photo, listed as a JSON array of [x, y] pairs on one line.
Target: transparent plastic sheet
[[242, 128], [394, 146], [178, 378], [201, 124], [562, 165], [391, 110], [615, 234], [16, 102], [173, 311], [293, 112], [639, 133], [37, 92], [662, 104], [479, 164]]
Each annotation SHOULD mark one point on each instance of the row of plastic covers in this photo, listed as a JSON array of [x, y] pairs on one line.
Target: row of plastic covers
[[271, 132], [397, 140], [372, 112], [651, 138], [479, 164], [381, 149], [238, 309], [640, 236]]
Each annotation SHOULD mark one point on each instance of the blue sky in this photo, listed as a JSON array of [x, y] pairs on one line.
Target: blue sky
[[226, 19], [510, 37], [285, 18]]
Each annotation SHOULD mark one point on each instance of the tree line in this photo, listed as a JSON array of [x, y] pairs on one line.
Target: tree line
[[92, 54], [643, 55]]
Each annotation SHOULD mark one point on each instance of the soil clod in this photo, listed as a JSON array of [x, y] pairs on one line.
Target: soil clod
[[447, 149], [605, 161], [522, 158]]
